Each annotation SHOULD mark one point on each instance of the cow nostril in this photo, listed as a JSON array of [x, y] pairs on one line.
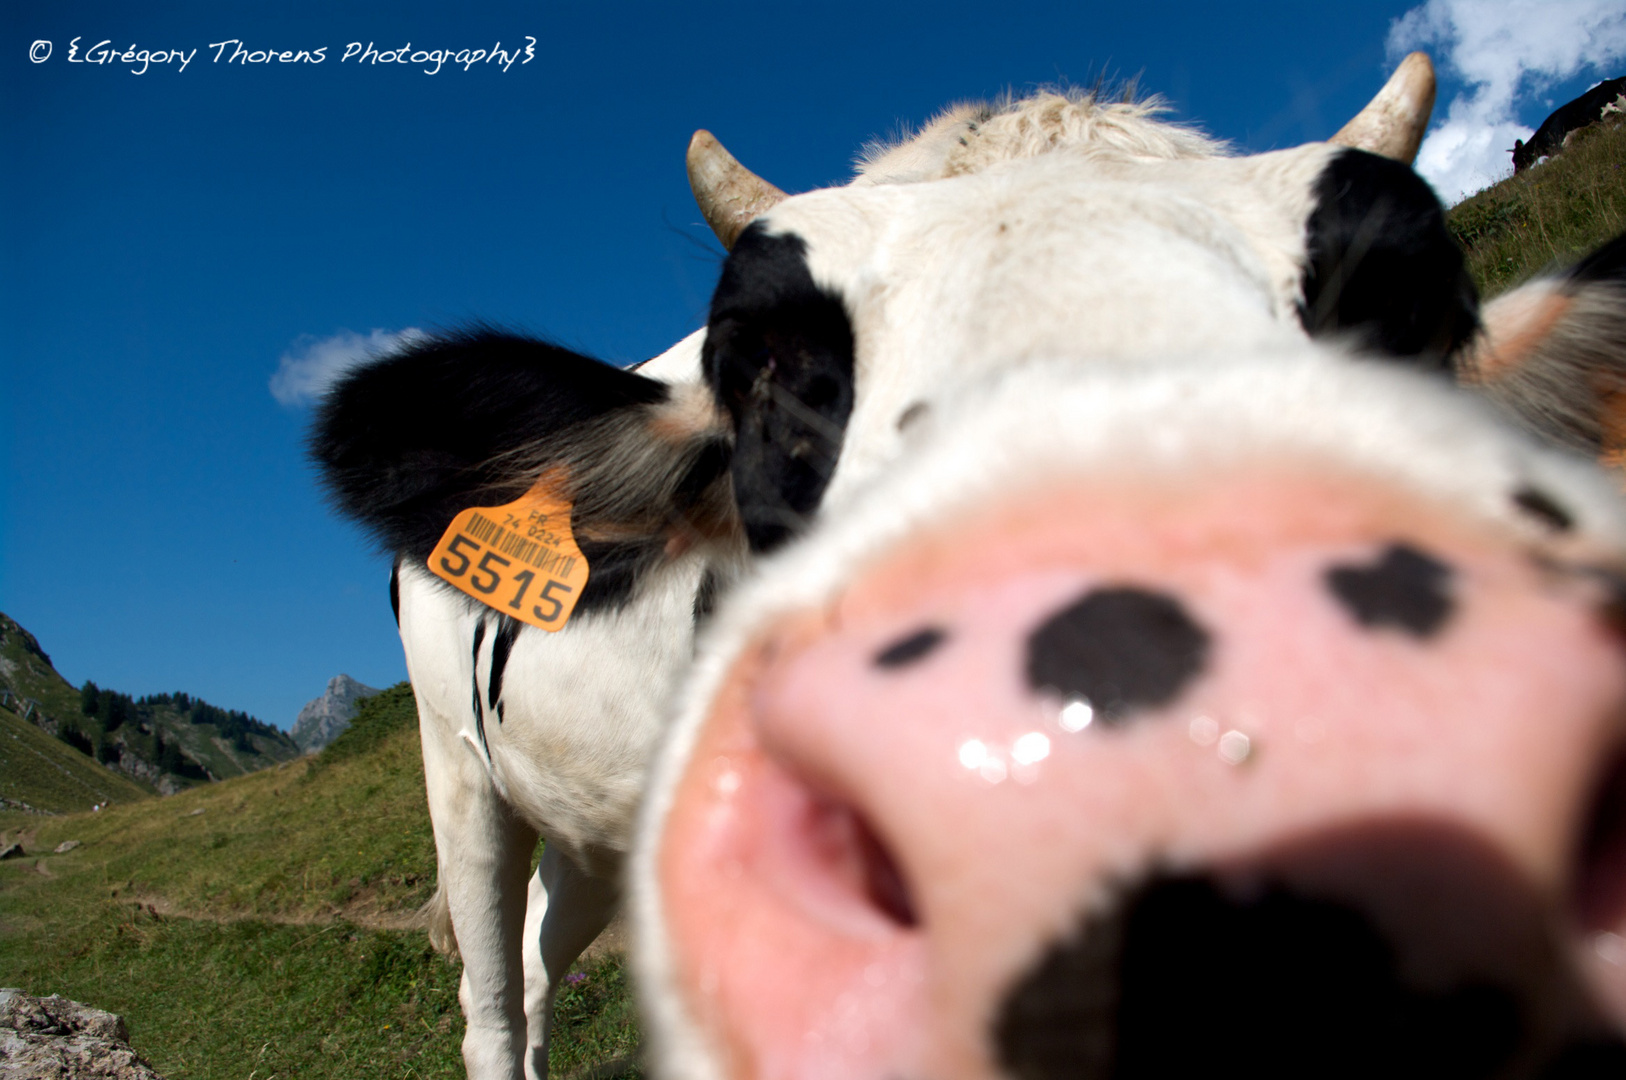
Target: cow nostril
[[1600, 891], [840, 841], [883, 881]]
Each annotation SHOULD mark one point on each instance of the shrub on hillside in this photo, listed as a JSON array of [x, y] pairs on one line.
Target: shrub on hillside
[[71, 734], [379, 717]]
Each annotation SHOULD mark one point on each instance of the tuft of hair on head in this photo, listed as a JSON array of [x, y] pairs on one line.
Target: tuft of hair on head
[[970, 136]]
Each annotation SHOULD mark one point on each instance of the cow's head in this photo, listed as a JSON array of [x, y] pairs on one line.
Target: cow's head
[[1182, 674]]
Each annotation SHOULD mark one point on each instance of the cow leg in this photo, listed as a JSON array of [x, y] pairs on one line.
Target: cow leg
[[567, 909], [482, 852]]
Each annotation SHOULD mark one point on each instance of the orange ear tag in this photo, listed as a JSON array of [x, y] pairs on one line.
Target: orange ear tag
[[520, 559]]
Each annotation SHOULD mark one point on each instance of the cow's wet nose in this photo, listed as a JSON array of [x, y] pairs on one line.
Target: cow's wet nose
[[1273, 774]]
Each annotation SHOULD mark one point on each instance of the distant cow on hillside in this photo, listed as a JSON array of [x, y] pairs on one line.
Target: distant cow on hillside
[[1550, 136]]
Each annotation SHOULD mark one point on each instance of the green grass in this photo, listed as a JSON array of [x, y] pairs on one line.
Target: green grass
[[47, 774], [273, 933], [1549, 215]]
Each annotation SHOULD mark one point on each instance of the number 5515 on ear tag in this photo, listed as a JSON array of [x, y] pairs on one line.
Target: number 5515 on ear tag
[[520, 559]]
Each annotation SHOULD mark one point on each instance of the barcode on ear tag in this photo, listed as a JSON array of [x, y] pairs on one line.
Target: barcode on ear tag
[[520, 559]]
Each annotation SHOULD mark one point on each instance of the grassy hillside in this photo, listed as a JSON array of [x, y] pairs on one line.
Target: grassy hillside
[[1549, 215], [42, 773], [206, 748], [32, 686], [265, 924], [161, 742]]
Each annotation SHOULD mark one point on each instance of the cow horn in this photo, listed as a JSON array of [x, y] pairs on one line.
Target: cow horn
[[1392, 124], [730, 195]]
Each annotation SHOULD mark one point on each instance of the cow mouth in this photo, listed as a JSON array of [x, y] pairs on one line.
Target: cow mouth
[[1398, 950]]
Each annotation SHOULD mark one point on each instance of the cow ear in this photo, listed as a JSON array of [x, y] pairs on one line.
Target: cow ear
[[408, 441], [1553, 352], [1381, 269]]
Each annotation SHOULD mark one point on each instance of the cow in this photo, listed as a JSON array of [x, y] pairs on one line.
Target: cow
[[1215, 668], [1554, 132], [844, 323]]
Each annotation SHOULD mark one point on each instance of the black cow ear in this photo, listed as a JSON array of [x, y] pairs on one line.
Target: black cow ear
[[779, 357], [408, 441], [1382, 270]]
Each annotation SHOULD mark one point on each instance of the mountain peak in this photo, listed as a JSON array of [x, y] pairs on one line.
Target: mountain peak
[[322, 718]]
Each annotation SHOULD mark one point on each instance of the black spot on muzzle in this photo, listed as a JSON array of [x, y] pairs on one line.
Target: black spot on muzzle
[[914, 647], [1274, 974], [1405, 589], [1544, 508], [1118, 649]]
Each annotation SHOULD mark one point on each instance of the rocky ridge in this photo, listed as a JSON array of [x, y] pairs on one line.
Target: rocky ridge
[[323, 718]]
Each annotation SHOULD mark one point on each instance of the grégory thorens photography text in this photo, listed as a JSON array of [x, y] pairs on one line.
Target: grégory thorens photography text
[[140, 60]]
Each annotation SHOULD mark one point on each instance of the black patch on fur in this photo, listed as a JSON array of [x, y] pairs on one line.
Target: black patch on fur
[[1595, 1059], [501, 645], [408, 441], [779, 355], [907, 650], [705, 598], [1383, 269], [1405, 589], [479, 713], [1119, 649], [395, 591], [1607, 263], [1183, 979], [1539, 504]]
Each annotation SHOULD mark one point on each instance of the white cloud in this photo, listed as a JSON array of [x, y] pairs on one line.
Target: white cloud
[[311, 366], [1508, 52]]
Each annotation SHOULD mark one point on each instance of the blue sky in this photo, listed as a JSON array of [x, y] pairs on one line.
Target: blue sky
[[172, 239]]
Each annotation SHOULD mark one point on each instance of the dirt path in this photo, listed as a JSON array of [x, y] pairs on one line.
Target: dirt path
[[612, 940]]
